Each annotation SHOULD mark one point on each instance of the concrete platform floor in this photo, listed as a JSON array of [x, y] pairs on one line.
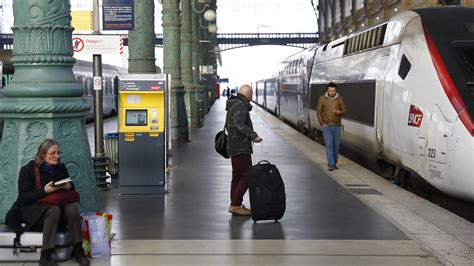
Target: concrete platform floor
[[346, 217], [196, 204]]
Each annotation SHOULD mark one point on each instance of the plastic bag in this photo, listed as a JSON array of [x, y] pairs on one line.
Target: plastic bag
[[108, 224], [95, 236]]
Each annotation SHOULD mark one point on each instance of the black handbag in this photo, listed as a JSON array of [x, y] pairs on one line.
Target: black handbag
[[221, 143]]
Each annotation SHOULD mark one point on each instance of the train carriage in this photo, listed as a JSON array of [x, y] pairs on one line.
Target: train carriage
[[293, 80], [408, 94], [408, 85]]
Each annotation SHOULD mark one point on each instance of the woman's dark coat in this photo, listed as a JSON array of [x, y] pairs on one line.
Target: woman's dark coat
[[26, 209]]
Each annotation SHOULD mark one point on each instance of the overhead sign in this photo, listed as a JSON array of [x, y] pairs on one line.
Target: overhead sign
[[82, 20], [97, 44], [206, 70], [117, 15]]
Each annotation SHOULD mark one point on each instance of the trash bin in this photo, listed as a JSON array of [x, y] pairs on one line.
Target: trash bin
[[111, 151]]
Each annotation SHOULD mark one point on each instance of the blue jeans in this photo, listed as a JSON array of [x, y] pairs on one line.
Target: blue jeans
[[332, 140]]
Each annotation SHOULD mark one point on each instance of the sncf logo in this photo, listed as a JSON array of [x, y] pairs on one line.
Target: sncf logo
[[415, 117]]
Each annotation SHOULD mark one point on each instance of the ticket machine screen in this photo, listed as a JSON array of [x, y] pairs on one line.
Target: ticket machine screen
[[136, 117]]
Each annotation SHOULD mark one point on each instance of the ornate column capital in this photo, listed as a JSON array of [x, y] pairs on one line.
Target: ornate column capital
[[42, 45]]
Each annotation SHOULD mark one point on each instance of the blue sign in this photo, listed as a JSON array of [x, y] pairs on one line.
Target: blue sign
[[117, 15]]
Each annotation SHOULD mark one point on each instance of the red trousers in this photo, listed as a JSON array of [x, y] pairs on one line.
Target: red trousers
[[240, 164]]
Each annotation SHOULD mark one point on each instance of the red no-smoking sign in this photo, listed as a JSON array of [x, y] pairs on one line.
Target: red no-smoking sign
[[77, 44]]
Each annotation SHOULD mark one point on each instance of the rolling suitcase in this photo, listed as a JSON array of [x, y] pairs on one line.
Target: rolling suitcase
[[27, 247], [267, 192]]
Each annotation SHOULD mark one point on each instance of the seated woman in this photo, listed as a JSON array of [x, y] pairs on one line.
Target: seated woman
[[47, 218]]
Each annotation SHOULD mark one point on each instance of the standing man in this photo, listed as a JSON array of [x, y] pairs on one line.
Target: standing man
[[329, 110], [239, 145]]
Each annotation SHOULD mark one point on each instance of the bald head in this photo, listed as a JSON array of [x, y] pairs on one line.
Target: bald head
[[246, 91]]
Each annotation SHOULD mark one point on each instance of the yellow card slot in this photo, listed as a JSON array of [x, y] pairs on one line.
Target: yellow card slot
[[129, 139], [154, 134], [129, 134]]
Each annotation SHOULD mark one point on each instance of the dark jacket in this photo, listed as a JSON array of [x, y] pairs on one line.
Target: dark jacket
[[27, 202], [327, 106], [239, 127]]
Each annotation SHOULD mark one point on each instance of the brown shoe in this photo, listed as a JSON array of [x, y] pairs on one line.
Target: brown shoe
[[239, 210]]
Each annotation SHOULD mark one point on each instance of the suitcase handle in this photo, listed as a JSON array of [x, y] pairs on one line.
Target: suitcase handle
[[264, 162]]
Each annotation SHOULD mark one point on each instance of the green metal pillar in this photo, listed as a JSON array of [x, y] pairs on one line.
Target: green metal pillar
[[44, 100], [212, 61], [186, 64], [171, 65], [196, 51], [203, 61], [141, 41]]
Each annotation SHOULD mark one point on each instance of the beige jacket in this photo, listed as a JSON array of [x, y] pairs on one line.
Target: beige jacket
[[327, 106]]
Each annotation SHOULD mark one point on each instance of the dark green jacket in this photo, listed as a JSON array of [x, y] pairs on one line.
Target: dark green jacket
[[239, 127]]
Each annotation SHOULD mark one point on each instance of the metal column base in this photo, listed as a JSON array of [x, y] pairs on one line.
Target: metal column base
[[100, 170]]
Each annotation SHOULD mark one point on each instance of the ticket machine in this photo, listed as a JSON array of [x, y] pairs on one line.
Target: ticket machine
[[143, 133]]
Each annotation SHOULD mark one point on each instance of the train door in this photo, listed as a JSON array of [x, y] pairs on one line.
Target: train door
[[264, 94], [404, 136], [381, 86], [278, 90]]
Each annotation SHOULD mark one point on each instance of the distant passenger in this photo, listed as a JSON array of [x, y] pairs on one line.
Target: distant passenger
[[232, 92], [228, 93], [239, 146], [329, 110], [34, 183]]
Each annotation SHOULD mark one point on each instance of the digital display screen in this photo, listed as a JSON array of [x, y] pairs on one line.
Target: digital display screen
[[136, 117]]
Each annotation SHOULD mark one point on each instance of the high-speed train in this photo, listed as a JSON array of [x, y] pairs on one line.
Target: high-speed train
[[408, 85], [83, 74]]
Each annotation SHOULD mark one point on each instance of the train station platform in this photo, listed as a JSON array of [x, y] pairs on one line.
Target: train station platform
[[347, 217]]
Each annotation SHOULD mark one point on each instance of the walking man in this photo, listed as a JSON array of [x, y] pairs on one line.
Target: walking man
[[239, 145], [329, 110]]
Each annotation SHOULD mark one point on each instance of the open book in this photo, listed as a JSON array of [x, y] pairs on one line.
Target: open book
[[62, 181]]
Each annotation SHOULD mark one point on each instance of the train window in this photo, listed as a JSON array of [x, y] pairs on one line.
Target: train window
[[104, 84], [365, 40], [371, 39], [381, 34], [359, 42], [346, 46], [465, 51], [89, 86], [353, 44], [109, 85], [405, 67]]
